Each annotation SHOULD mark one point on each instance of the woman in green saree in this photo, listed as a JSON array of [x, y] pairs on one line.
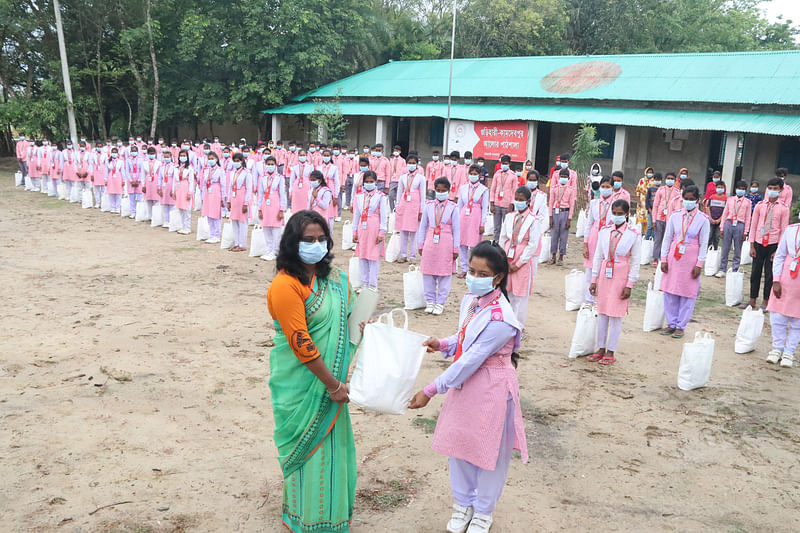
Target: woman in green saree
[[310, 302]]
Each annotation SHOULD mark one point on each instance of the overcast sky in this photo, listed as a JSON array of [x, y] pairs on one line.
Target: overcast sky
[[790, 9]]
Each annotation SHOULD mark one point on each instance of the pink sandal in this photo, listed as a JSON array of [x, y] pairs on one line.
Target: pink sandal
[[607, 360], [595, 357]]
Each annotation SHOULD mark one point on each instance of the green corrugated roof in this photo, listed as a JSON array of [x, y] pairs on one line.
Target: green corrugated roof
[[656, 118], [742, 77]]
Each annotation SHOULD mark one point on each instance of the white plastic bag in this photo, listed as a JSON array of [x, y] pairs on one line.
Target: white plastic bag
[[75, 194], [488, 229], [393, 248], [734, 283], [18, 178], [712, 261], [87, 200], [203, 231], [347, 235], [749, 331], [574, 289], [157, 219], [354, 272], [657, 277], [413, 290], [141, 211], [362, 311], [390, 224], [389, 359], [695, 368], [584, 339], [62, 191], [653, 309], [647, 251], [198, 199], [175, 219], [105, 203], [227, 236], [580, 227], [545, 253], [258, 244], [125, 208], [746, 259]]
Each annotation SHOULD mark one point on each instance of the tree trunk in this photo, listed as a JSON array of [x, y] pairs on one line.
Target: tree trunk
[[97, 82], [154, 122], [137, 75]]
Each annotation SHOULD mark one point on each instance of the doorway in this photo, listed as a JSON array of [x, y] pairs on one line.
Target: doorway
[[401, 128], [542, 163]]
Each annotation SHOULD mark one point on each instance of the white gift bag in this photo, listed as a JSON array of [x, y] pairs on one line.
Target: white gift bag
[[749, 331], [413, 290], [746, 259], [52, 190], [18, 178], [712, 261], [141, 211], [695, 368], [44, 185], [62, 191], [203, 231], [545, 253], [175, 219], [362, 310], [574, 289], [198, 199], [157, 218], [105, 203], [125, 207], [393, 248], [584, 339], [488, 229], [657, 277], [87, 200], [354, 272], [390, 223], [734, 283], [258, 244], [653, 309], [580, 227], [387, 364], [347, 235], [647, 251], [75, 194], [227, 236]]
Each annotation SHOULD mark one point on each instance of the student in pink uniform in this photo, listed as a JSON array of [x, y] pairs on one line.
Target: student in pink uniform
[[83, 169], [410, 196], [183, 191], [212, 184], [562, 203], [99, 164], [615, 271], [481, 423], [56, 169], [398, 168], [521, 238], [39, 162], [735, 226], [330, 172], [114, 177], [666, 202], [432, 171], [538, 198], [598, 216], [786, 190], [767, 225], [784, 305], [166, 177], [153, 171], [358, 176], [501, 194], [619, 191], [68, 165], [299, 182], [238, 198], [383, 169], [370, 222], [459, 175], [437, 238], [22, 150], [473, 208], [683, 254], [320, 196], [272, 205]]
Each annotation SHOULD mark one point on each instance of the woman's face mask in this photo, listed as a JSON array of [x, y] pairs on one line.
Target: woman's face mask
[[271, 168], [441, 196], [473, 178], [369, 186]]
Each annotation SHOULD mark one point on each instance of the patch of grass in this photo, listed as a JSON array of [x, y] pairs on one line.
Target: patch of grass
[[428, 425], [390, 495], [49, 202]]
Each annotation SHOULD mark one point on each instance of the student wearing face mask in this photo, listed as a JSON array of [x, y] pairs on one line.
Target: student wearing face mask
[[320, 196], [521, 239], [98, 172], [767, 225], [683, 253], [68, 166], [433, 171], [40, 163], [484, 172], [645, 182], [563, 164], [786, 190], [619, 190], [183, 183], [383, 169], [479, 441], [398, 167], [652, 189], [410, 197], [459, 173], [735, 225], [212, 185], [437, 241], [299, 182], [714, 206], [753, 195], [349, 169], [598, 216], [538, 198], [473, 208], [166, 178], [562, 204], [666, 202], [370, 223], [501, 194], [595, 175], [553, 169], [114, 174], [238, 197], [83, 168], [614, 273], [22, 149], [784, 303], [272, 204], [136, 172], [56, 169], [713, 184], [153, 176], [330, 173]]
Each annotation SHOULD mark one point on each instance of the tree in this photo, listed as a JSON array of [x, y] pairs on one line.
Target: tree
[[328, 116], [586, 148]]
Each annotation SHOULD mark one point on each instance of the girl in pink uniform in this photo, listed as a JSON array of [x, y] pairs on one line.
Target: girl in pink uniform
[[521, 239], [784, 303], [320, 196], [331, 176], [40, 163], [152, 178], [272, 206], [166, 177], [299, 182], [615, 271], [683, 254], [183, 191], [114, 174], [238, 198], [212, 183], [473, 208], [480, 424], [99, 163], [83, 168], [410, 195], [370, 219], [56, 170], [598, 216], [437, 240]]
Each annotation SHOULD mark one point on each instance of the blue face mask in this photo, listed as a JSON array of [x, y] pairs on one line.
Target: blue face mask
[[369, 186], [564, 164], [533, 184], [605, 193], [412, 167], [271, 168], [715, 179], [720, 191], [441, 196], [773, 193], [740, 192], [618, 219], [479, 286], [753, 190], [473, 178], [518, 173], [689, 205], [520, 206], [670, 182], [212, 162], [326, 159], [149, 156], [503, 167], [312, 253], [237, 164], [657, 183], [314, 184], [617, 185], [563, 181], [364, 169], [302, 158]]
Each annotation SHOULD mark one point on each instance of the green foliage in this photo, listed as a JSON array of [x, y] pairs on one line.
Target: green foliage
[[587, 147], [328, 116]]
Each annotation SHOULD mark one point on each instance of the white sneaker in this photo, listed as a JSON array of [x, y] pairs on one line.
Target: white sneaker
[[165, 225], [183, 232], [438, 309], [719, 274], [774, 356], [787, 359], [459, 520], [213, 240], [132, 216], [269, 257], [481, 523], [429, 308]]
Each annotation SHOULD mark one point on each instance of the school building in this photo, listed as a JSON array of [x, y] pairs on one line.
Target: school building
[[734, 112]]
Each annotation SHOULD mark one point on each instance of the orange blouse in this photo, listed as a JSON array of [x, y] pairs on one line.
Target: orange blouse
[[286, 299]]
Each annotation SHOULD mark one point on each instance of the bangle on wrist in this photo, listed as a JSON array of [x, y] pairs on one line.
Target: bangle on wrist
[[336, 390]]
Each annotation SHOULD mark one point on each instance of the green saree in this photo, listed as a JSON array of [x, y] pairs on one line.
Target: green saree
[[313, 434]]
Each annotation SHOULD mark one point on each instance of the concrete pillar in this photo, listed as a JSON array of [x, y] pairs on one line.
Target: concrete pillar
[[276, 127], [412, 134], [533, 131], [620, 148], [322, 133], [729, 159], [382, 125]]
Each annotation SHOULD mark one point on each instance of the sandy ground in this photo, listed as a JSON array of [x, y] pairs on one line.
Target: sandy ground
[[133, 371]]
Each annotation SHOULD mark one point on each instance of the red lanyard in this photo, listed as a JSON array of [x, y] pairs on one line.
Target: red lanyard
[[463, 332], [686, 224], [472, 189], [737, 203], [438, 214], [180, 175], [604, 214], [613, 243], [365, 207], [235, 180], [519, 221]]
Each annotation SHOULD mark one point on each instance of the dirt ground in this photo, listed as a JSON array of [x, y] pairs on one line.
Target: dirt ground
[[134, 398]]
